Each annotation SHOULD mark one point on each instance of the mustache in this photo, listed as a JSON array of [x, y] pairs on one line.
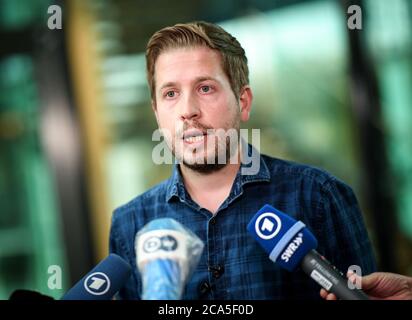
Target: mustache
[[193, 125]]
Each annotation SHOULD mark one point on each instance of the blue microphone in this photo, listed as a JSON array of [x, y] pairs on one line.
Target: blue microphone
[[167, 254], [103, 282], [291, 245]]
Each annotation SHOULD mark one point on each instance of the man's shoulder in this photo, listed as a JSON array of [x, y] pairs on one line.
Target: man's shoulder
[[150, 197], [293, 170], [310, 182]]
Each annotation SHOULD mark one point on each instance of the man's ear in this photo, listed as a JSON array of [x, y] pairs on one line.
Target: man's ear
[[245, 102]]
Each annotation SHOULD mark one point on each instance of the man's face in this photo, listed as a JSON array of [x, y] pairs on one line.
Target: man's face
[[194, 99]]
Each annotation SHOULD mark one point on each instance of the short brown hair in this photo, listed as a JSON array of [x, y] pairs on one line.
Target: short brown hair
[[200, 33]]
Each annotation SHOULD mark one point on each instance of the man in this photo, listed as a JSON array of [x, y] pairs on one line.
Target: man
[[198, 78]]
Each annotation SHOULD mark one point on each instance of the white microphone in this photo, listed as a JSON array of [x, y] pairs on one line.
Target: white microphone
[[167, 254]]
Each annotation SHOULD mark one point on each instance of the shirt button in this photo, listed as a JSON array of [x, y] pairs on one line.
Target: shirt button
[[213, 220], [217, 271], [204, 287]]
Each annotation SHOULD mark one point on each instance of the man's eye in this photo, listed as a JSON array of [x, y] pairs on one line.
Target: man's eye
[[170, 94], [205, 89]]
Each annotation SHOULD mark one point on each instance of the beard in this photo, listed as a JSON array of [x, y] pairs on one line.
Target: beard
[[215, 153], [223, 152]]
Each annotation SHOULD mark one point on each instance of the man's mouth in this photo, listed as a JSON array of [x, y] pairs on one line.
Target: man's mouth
[[194, 135]]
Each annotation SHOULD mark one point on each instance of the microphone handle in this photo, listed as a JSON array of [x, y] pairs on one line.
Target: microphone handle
[[329, 277], [162, 280]]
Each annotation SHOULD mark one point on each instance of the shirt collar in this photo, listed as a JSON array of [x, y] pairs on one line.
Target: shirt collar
[[176, 186]]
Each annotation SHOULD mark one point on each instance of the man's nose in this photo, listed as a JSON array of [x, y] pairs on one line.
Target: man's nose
[[189, 108]]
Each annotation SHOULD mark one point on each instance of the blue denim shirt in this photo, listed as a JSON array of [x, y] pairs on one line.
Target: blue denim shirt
[[233, 265]]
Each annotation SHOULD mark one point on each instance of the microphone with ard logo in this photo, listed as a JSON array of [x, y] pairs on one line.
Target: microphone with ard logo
[[103, 282], [167, 254], [290, 245]]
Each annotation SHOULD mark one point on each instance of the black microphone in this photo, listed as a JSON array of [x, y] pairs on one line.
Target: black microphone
[[28, 295], [290, 245], [102, 283]]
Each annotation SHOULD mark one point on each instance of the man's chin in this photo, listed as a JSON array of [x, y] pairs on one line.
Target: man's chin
[[205, 162], [204, 168], [202, 163]]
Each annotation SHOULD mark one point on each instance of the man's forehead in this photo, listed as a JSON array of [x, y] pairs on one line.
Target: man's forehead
[[187, 64], [191, 52]]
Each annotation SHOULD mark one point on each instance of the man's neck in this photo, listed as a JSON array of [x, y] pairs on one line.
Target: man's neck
[[210, 190]]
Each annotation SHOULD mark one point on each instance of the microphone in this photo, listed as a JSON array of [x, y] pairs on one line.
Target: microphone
[[102, 282], [167, 254], [290, 245], [29, 295]]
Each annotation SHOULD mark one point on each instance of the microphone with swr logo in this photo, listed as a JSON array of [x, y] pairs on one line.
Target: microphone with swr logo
[[290, 245], [103, 282]]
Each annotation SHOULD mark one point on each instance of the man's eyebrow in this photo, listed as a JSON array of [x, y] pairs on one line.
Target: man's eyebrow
[[168, 84], [198, 79]]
